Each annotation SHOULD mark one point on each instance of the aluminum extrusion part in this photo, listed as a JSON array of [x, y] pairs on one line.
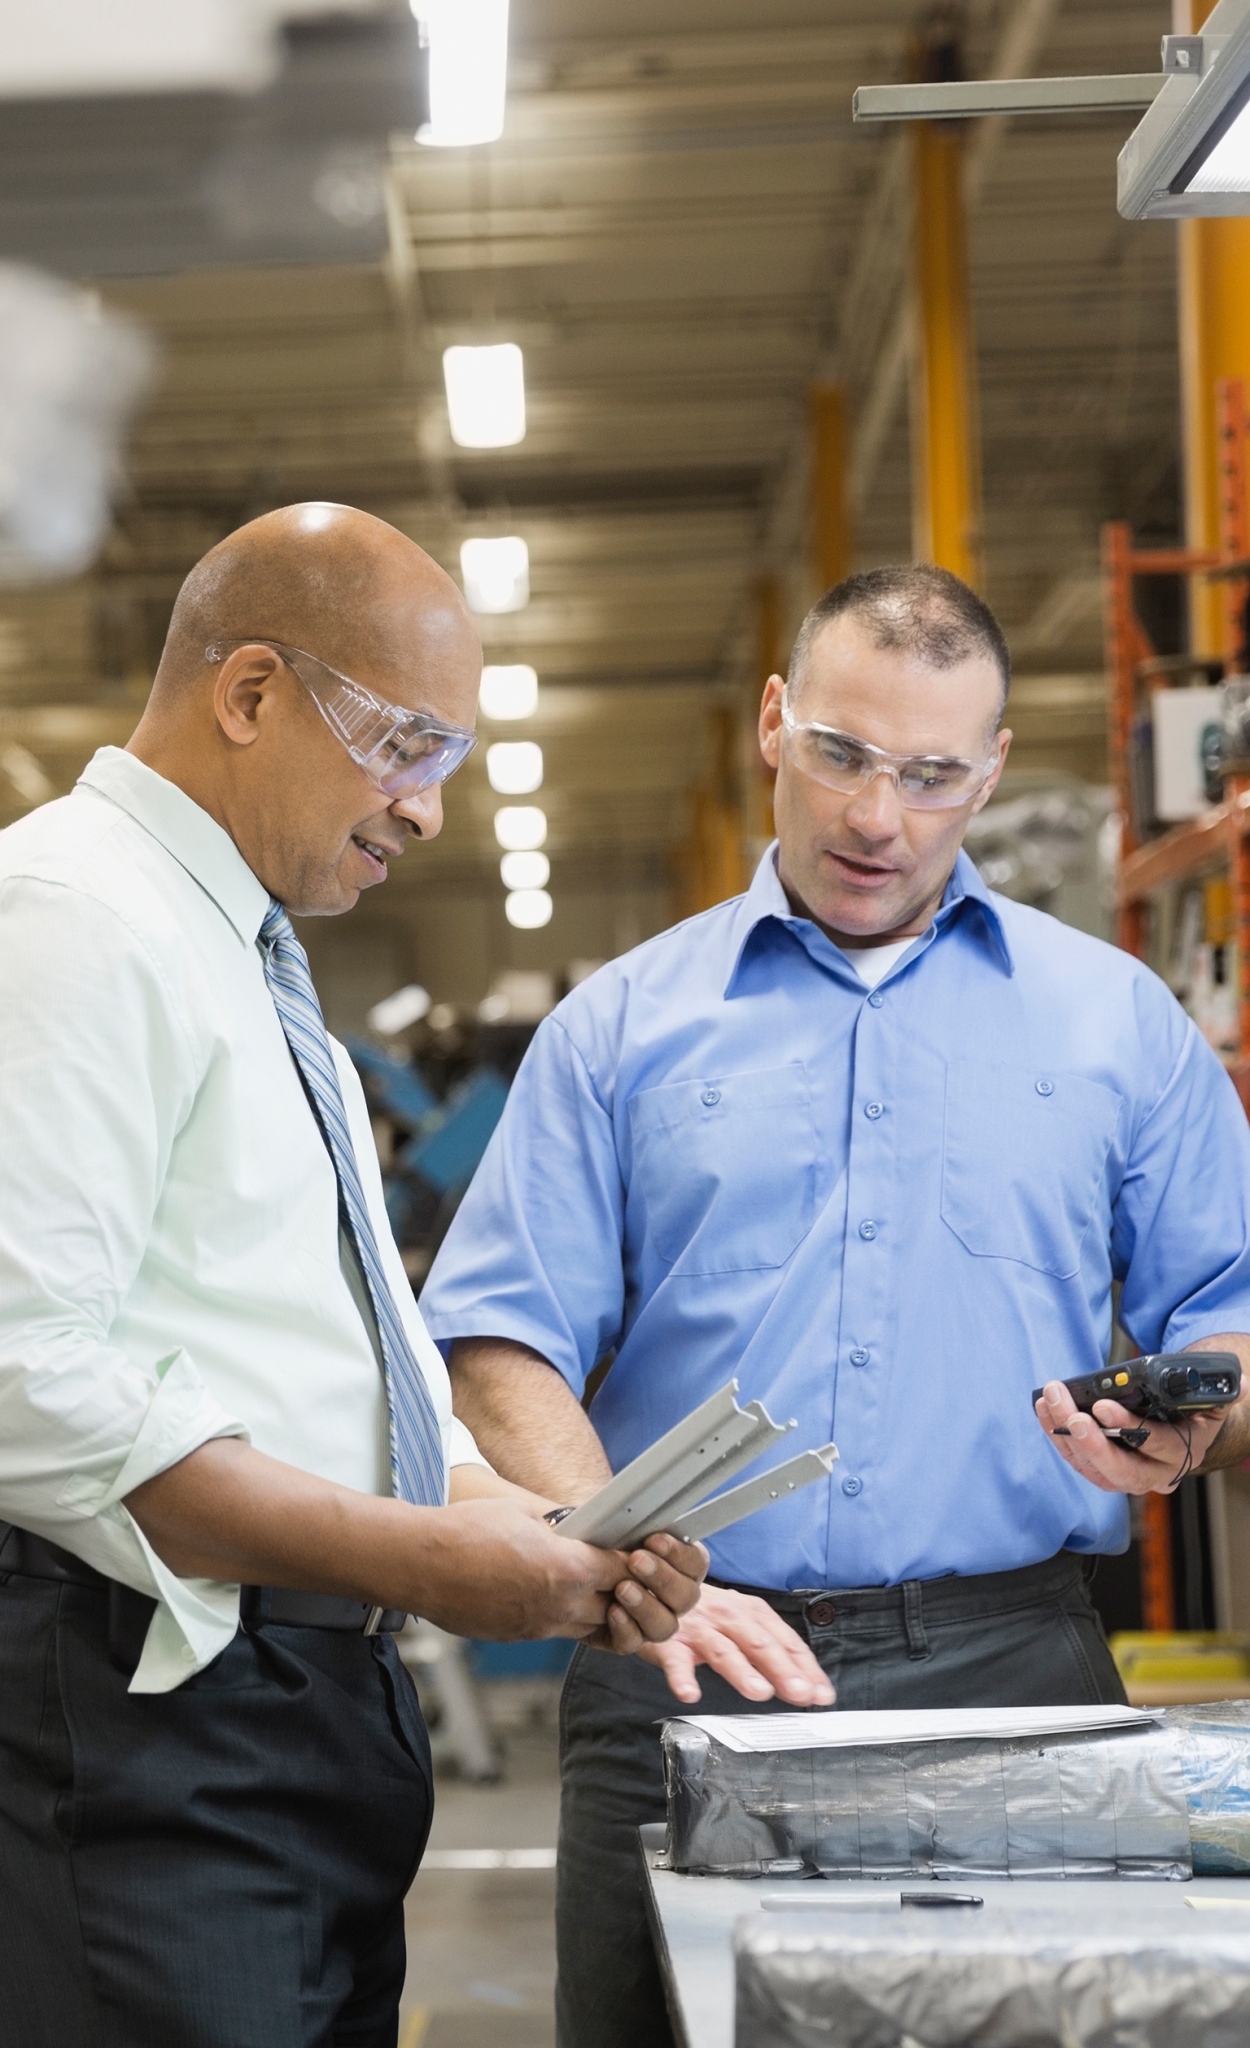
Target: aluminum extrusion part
[[966, 99], [674, 1474], [740, 1501]]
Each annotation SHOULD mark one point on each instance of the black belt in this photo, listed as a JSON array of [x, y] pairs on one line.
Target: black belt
[[957, 1597], [32, 1557]]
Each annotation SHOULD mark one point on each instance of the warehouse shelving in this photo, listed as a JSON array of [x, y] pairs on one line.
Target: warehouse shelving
[[1215, 842]]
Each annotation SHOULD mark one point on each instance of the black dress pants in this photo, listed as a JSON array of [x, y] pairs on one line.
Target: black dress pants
[[1008, 1639], [222, 1866]]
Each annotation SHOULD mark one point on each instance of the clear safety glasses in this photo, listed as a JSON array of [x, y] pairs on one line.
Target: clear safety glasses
[[936, 782], [400, 751]]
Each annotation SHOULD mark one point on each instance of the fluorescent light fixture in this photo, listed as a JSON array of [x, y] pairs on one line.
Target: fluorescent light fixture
[[525, 871], [1190, 153], [514, 767], [468, 46], [520, 827], [528, 909], [508, 692], [485, 395], [496, 574], [1226, 165]]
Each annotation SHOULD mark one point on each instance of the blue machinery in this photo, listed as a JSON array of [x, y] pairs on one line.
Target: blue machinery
[[446, 1136]]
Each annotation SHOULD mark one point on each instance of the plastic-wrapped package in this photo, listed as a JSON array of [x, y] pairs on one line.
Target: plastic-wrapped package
[[1087, 1805], [1000, 1979], [1213, 1744]]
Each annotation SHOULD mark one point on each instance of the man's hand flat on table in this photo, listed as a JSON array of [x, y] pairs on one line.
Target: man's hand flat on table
[[746, 1643], [1170, 1452]]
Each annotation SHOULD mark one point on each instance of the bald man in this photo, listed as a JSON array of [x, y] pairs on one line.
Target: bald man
[[228, 1463]]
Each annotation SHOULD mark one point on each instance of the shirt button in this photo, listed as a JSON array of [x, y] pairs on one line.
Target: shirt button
[[852, 1487], [859, 1356], [188, 1654], [867, 1229], [876, 999], [821, 1612], [710, 1098], [873, 1110], [1045, 1087]]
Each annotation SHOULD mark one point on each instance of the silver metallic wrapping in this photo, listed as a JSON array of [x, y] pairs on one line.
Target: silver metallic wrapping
[[1113, 1979], [1213, 1743], [1086, 1805]]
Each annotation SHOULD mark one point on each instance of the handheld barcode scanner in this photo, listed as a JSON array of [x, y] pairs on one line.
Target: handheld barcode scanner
[[1164, 1386]]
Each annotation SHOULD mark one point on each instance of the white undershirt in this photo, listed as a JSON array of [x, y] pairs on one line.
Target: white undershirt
[[873, 963]]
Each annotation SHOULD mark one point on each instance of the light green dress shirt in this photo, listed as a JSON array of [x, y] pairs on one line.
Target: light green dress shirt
[[170, 1259]]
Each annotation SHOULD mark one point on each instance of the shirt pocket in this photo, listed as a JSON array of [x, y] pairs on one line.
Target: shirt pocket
[[726, 1168], [1024, 1162]]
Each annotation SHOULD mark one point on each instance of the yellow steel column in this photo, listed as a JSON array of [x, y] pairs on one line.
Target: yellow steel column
[[1214, 343], [769, 661], [946, 463], [831, 511]]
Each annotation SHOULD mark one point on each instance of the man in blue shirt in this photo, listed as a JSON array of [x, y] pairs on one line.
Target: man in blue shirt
[[878, 1142]]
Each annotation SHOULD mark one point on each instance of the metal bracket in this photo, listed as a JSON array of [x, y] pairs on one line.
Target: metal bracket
[[967, 98], [673, 1476], [1184, 53], [741, 1501]]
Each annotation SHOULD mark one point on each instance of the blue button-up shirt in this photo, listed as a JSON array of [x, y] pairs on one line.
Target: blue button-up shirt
[[891, 1214]]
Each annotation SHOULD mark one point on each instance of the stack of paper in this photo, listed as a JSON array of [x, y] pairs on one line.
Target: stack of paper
[[760, 1733]]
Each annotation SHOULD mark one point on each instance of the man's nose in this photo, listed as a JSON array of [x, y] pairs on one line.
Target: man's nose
[[875, 811], [423, 810]]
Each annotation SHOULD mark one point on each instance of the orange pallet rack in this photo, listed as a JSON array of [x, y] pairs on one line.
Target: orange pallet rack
[[1218, 838]]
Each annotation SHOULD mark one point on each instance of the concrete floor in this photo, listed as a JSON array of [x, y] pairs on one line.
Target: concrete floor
[[481, 1943]]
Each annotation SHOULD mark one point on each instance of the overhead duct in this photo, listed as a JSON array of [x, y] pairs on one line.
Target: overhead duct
[[109, 185]]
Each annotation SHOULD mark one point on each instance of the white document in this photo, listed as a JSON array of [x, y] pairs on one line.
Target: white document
[[759, 1733]]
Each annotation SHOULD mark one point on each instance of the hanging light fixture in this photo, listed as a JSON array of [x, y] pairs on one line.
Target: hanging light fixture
[[485, 395], [528, 909], [508, 692], [468, 45], [496, 574], [514, 767], [520, 827], [525, 871]]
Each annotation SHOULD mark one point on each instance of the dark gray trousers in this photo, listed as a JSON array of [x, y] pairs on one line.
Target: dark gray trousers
[[222, 1866], [1009, 1639]]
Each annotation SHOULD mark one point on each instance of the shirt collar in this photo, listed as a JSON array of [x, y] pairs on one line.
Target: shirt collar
[[195, 840], [766, 901]]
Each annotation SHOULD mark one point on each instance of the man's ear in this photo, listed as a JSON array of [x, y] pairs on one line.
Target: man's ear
[[986, 791], [245, 679], [770, 720]]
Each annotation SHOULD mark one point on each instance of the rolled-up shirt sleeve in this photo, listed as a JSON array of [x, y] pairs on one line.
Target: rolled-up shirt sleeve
[[1181, 1233], [98, 1071], [534, 1253]]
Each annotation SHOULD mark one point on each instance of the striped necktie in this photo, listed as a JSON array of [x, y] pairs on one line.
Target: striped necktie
[[417, 1467]]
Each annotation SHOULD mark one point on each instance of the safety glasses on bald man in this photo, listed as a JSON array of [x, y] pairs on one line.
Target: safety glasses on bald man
[[400, 751], [924, 782]]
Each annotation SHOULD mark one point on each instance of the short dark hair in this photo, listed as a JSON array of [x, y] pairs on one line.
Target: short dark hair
[[914, 606]]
